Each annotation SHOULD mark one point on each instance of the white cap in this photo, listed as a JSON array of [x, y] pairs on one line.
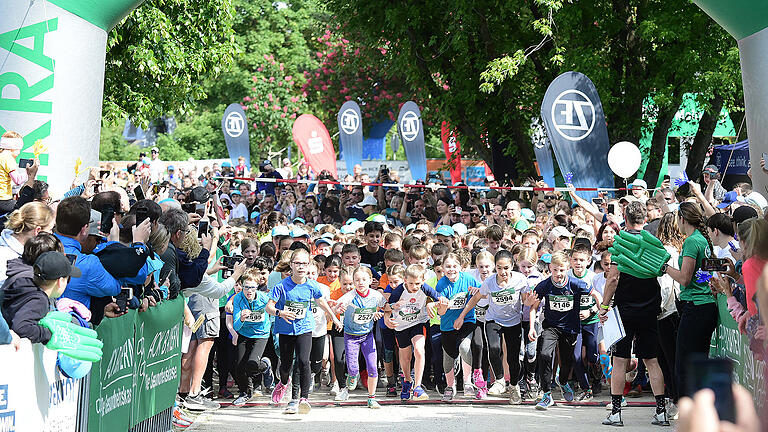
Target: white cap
[[369, 200], [8, 143]]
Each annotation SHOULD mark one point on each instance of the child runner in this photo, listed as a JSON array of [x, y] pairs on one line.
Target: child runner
[[560, 325], [361, 309], [332, 279], [253, 328], [406, 314], [483, 270], [289, 301], [456, 335], [526, 264], [587, 339], [394, 278], [504, 317]]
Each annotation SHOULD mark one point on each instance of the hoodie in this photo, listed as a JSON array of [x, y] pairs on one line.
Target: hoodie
[[10, 248], [24, 304]]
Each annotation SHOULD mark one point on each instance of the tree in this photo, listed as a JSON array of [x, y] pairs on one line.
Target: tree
[[159, 57]]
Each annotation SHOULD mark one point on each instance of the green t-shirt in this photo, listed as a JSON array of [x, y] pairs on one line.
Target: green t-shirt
[[696, 247], [436, 320]]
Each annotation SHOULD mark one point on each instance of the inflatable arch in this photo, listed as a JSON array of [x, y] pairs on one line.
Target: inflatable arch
[[52, 57]]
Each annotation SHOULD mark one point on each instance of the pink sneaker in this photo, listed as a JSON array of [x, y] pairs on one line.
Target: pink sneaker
[[278, 393], [482, 393], [480, 384]]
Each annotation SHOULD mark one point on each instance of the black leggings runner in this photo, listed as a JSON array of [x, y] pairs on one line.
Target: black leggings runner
[[300, 345], [315, 364], [339, 359], [512, 337], [249, 361], [480, 349]]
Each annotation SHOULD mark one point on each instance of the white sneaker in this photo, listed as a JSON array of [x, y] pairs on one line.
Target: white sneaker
[[614, 420], [334, 390], [660, 419], [671, 410], [469, 391], [449, 393], [342, 396], [498, 388], [515, 398]]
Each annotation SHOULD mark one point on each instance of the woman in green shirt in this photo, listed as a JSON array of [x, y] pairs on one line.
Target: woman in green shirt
[[697, 306]]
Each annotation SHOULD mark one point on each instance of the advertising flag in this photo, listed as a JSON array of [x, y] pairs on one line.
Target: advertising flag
[[234, 124], [314, 141], [452, 151], [411, 131], [351, 133]]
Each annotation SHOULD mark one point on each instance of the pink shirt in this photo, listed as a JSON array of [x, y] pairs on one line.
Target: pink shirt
[[751, 270]]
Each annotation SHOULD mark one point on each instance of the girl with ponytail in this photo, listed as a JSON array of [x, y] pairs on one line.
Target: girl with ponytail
[[23, 224], [697, 306]]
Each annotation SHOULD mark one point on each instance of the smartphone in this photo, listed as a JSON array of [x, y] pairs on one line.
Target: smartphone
[[612, 208], [715, 374], [188, 207], [597, 201], [714, 264], [141, 214], [122, 299], [155, 189], [139, 193], [230, 261], [202, 228], [72, 258], [96, 187], [104, 173], [25, 163], [107, 214], [765, 158]]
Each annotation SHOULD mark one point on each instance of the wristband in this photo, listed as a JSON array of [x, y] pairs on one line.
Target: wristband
[[605, 307], [277, 312]]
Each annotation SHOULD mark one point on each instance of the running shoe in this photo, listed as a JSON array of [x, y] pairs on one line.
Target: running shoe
[[671, 410], [567, 392], [515, 398], [609, 407], [419, 394], [312, 384], [469, 390], [242, 399], [635, 391], [497, 388], [325, 377], [199, 403], [545, 402], [352, 382], [342, 396], [450, 392], [613, 420], [373, 404], [256, 393], [304, 406], [181, 424], [225, 394], [279, 392], [660, 419], [391, 391], [482, 393], [180, 419], [335, 389], [292, 407], [268, 377], [405, 394], [584, 396]]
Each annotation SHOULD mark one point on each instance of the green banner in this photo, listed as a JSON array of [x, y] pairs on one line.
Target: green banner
[[140, 371], [728, 342]]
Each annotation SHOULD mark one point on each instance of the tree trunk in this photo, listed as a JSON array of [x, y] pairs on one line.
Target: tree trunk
[[502, 165], [659, 142], [739, 122], [703, 137]]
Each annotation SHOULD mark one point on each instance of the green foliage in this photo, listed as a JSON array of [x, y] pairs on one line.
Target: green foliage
[[160, 55], [113, 147], [199, 138]]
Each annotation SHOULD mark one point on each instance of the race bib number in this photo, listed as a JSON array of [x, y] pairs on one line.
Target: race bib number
[[297, 307], [458, 301], [363, 315], [561, 303], [505, 297], [313, 306], [252, 316], [480, 312], [586, 302]]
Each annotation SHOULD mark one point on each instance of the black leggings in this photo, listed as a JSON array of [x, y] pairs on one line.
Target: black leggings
[[512, 338], [479, 349], [301, 346], [339, 359], [315, 363], [553, 338], [667, 340], [697, 323], [457, 343], [249, 361]]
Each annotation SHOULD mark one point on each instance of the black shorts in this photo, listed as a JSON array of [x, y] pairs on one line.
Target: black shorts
[[644, 331], [404, 337]]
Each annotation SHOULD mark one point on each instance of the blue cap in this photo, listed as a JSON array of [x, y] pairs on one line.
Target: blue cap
[[547, 258], [351, 221], [226, 164], [445, 230], [318, 227], [280, 230], [300, 220], [235, 192], [323, 240], [347, 229], [255, 215], [171, 168], [730, 198], [528, 214], [410, 227], [299, 232], [72, 368]]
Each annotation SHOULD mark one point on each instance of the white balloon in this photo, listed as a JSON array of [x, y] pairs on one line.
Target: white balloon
[[624, 159]]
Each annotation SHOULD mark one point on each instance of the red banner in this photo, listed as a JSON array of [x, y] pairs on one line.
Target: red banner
[[452, 151], [310, 134]]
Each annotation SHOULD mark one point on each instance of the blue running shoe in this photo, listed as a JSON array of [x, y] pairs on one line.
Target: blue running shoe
[[567, 392], [419, 394], [405, 394], [268, 378], [545, 402]]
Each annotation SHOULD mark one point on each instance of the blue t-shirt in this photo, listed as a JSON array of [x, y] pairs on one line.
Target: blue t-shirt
[[295, 298], [249, 318], [561, 304], [457, 294], [358, 315]]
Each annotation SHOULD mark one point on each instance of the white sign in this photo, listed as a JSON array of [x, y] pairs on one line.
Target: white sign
[[234, 124], [573, 115], [350, 121], [409, 126], [452, 144], [315, 143]]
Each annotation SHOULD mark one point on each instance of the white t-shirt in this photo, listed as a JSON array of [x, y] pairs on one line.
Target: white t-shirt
[[505, 306], [240, 211], [321, 321], [482, 306], [156, 169]]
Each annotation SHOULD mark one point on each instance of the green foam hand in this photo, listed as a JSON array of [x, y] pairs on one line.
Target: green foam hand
[[75, 341], [640, 255]]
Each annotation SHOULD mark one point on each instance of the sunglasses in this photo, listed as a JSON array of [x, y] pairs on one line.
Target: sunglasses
[[476, 215], [549, 197]]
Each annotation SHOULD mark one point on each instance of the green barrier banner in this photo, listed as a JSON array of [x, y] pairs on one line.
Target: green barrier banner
[[141, 368], [728, 342]]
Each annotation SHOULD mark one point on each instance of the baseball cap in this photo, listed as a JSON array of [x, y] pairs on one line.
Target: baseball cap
[[299, 232], [171, 168], [528, 214], [299, 220], [730, 198], [410, 227], [280, 231], [628, 198], [155, 150], [226, 164], [492, 194], [547, 258], [53, 265], [459, 228], [743, 213], [235, 192], [323, 240], [711, 169], [558, 232], [445, 230], [380, 218], [369, 200], [639, 183]]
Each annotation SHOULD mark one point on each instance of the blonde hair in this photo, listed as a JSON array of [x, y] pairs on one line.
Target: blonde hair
[[483, 256], [560, 259], [11, 134], [250, 274], [753, 234], [415, 271], [159, 238], [396, 270], [363, 269], [190, 245], [28, 217], [529, 255], [347, 272]]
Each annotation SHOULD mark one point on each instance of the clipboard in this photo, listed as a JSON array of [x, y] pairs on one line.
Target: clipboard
[[613, 328]]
